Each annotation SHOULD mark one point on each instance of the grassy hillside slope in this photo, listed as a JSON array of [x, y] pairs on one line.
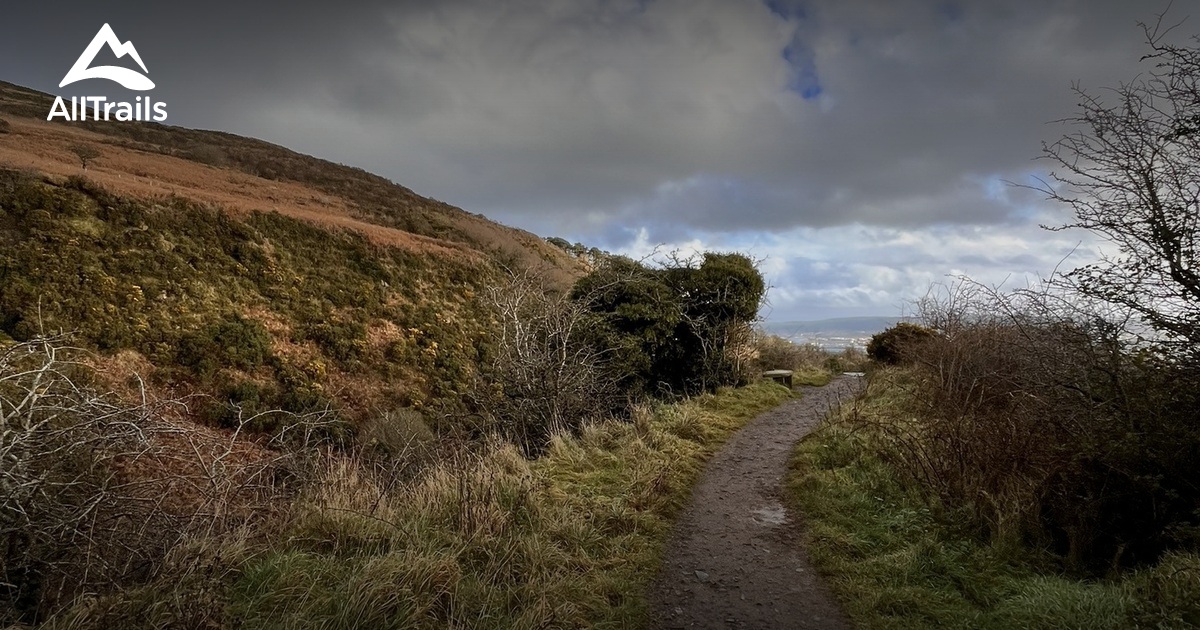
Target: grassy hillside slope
[[263, 308], [244, 174], [234, 267]]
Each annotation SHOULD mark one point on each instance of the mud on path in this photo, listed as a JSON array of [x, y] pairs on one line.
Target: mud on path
[[735, 558]]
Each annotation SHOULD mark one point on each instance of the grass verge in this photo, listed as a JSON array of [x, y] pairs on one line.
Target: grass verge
[[572, 539], [569, 540], [893, 564]]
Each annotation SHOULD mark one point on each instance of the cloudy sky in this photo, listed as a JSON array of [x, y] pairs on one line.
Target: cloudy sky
[[859, 149]]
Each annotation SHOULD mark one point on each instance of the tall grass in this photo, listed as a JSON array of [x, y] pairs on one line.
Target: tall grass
[[494, 540], [483, 539], [894, 563]]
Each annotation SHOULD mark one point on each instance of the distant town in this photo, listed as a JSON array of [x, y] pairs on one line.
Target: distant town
[[833, 335]]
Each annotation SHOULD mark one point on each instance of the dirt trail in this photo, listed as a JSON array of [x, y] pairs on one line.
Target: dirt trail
[[735, 559]]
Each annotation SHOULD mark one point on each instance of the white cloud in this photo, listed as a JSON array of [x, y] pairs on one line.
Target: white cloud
[[862, 269]]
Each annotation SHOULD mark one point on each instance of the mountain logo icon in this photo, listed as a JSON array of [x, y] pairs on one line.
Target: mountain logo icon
[[130, 79]]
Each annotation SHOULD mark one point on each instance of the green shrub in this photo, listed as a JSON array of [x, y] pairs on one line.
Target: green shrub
[[893, 346], [234, 342], [679, 329], [341, 339]]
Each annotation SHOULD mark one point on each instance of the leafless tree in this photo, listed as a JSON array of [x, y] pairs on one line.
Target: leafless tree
[[1131, 172]]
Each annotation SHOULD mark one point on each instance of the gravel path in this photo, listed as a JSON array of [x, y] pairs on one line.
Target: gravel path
[[734, 559]]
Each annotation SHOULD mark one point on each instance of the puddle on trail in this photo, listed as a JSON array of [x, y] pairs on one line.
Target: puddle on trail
[[773, 514]]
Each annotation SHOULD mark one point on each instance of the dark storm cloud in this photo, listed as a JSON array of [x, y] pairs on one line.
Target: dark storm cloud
[[622, 122], [209, 58], [723, 114]]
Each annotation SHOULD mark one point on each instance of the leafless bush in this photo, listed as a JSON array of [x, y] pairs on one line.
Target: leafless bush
[[1038, 417], [546, 375], [774, 352], [985, 441], [96, 495]]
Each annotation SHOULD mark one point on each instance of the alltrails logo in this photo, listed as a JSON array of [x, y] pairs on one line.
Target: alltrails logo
[[142, 109]]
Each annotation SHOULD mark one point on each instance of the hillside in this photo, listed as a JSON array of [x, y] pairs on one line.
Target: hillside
[[228, 370], [244, 174], [230, 266]]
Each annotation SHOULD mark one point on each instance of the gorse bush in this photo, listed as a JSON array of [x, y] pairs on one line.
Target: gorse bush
[[234, 342], [681, 328], [344, 340], [193, 289], [894, 345]]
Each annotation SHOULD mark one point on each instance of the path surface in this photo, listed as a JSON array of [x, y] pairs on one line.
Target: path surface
[[735, 558]]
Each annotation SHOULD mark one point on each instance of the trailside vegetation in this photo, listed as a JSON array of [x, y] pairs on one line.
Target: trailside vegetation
[[228, 406], [897, 561], [199, 528], [677, 328], [1033, 463]]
